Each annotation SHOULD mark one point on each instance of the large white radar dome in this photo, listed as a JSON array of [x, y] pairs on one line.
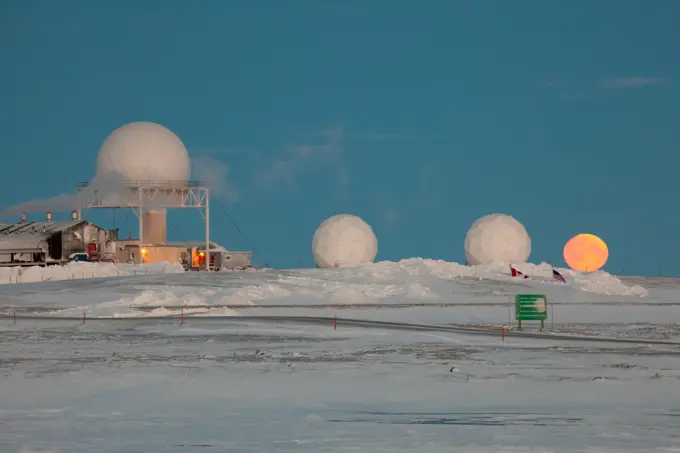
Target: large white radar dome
[[497, 238], [144, 151], [344, 240]]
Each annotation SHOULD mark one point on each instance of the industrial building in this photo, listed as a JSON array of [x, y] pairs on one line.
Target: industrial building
[[42, 243], [143, 167], [46, 243]]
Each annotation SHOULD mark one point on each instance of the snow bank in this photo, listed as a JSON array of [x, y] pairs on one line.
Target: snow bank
[[156, 302], [410, 281], [413, 281], [596, 282], [603, 283], [410, 278], [78, 270]]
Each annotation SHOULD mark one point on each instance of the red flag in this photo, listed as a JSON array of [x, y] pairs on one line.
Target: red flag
[[516, 273], [558, 276]]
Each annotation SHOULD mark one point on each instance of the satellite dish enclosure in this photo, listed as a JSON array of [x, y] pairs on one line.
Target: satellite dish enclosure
[[344, 240], [153, 166], [497, 238]]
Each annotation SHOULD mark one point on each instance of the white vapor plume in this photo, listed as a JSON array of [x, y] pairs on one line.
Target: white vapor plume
[[327, 152], [110, 186], [426, 189], [631, 82], [215, 175]]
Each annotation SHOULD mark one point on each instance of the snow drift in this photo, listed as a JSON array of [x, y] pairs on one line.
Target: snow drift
[[165, 289], [78, 270]]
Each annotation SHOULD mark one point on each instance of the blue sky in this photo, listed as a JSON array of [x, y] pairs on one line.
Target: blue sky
[[419, 117]]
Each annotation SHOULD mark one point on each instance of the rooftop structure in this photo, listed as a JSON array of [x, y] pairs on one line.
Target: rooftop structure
[[33, 228]]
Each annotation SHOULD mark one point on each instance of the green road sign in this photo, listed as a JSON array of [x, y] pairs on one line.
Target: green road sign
[[531, 307]]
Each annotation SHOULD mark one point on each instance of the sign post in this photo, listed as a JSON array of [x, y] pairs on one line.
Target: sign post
[[531, 307]]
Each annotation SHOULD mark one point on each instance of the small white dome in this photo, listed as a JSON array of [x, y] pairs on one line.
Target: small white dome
[[144, 151], [497, 238], [344, 240]]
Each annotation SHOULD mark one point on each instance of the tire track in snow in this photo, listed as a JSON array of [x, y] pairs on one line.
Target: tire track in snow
[[348, 322]]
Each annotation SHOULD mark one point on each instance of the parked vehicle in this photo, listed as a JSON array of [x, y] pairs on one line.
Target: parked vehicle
[[79, 257]]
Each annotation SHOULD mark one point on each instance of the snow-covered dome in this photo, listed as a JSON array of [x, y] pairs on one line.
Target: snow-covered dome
[[344, 240], [144, 151], [497, 238]]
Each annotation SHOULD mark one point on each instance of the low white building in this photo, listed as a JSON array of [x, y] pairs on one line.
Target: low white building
[[220, 257]]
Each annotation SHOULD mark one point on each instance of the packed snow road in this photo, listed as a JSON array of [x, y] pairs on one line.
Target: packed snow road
[[227, 322]]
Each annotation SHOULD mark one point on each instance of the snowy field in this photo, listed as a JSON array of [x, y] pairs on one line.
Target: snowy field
[[183, 362]]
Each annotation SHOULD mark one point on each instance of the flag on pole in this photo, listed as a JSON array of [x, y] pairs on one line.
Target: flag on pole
[[558, 276], [516, 273]]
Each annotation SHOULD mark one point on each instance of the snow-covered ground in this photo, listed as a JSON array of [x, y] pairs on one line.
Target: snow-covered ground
[[412, 281], [80, 270], [131, 378]]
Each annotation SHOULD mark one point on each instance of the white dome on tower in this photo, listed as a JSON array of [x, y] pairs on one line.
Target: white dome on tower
[[144, 151], [344, 240], [497, 238]]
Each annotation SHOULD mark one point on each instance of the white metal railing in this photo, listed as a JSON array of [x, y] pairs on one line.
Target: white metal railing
[[135, 183]]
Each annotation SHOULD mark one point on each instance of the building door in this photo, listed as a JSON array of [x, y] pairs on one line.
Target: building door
[[54, 246]]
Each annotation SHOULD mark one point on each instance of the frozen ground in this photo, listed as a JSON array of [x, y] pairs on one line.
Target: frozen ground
[[131, 378]]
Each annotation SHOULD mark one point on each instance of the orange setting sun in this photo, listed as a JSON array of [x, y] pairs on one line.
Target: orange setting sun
[[586, 252]]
